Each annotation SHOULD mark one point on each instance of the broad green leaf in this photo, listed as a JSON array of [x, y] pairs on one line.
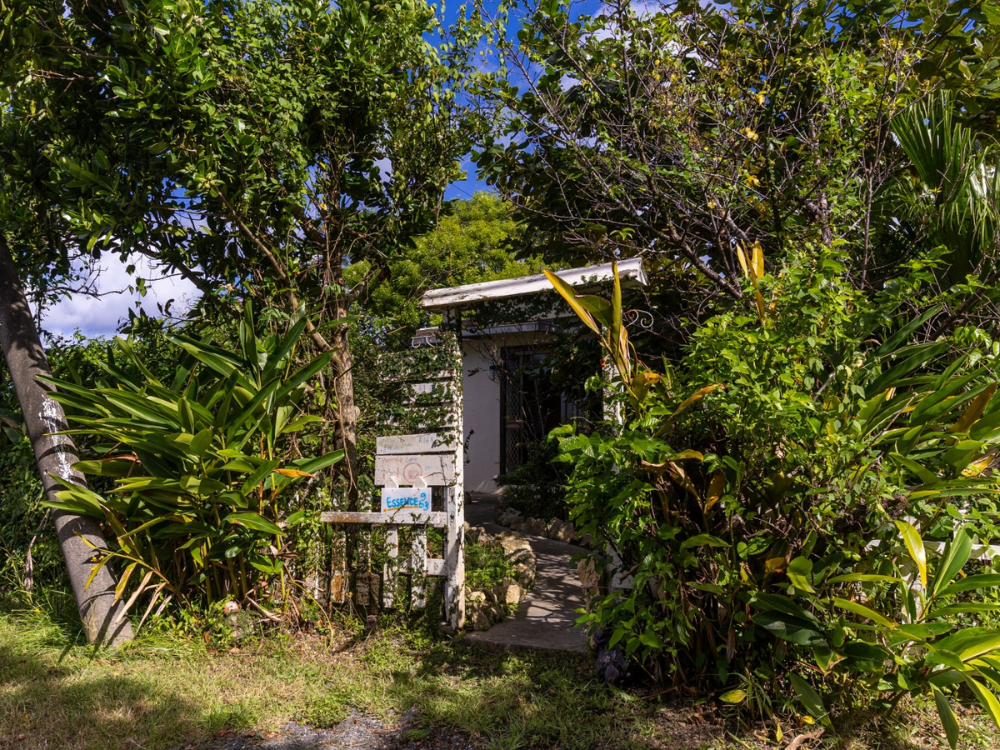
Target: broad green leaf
[[798, 572], [866, 612], [986, 699], [955, 556], [303, 374], [107, 467], [733, 696], [253, 521], [704, 540], [568, 293], [925, 475], [810, 699], [915, 546], [972, 583], [975, 410], [948, 720]]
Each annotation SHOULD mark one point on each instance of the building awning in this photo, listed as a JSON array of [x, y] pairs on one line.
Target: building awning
[[630, 271]]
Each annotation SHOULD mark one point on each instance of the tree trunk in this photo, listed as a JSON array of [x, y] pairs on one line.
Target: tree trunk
[[347, 411], [55, 455]]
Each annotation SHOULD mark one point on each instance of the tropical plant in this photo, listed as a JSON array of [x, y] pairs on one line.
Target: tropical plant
[[953, 189], [787, 442], [914, 648], [199, 507]]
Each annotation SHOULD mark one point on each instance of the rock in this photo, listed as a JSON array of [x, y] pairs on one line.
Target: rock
[[525, 575], [505, 517], [508, 592], [475, 534], [516, 548], [534, 526], [590, 579], [497, 612], [561, 531], [475, 598], [481, 621], [516, 523], [586, 541], [612, 666]]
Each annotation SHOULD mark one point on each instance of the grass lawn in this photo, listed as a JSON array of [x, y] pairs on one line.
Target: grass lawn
[[172, 692]]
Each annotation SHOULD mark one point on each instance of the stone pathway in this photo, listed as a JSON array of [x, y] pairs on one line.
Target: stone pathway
[[545, 618]]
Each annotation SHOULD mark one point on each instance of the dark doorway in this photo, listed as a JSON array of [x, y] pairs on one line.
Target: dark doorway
[[530, 406]]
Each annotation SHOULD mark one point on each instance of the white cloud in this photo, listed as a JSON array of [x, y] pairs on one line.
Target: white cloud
[[101, 316]]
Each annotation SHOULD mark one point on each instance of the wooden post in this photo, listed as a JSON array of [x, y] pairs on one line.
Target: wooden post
[[454, 553]]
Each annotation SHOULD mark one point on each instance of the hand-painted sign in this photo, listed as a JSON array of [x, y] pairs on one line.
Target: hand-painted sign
[[409, 498], [431, 470]]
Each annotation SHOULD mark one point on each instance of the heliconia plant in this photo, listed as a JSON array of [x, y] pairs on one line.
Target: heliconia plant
[[198, 508]]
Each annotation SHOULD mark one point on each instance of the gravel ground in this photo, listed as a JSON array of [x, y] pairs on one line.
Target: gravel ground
[[356, 731]]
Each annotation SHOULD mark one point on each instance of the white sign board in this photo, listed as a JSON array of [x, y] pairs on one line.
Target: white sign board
[[428, 442], [406, 498], [429, 470]]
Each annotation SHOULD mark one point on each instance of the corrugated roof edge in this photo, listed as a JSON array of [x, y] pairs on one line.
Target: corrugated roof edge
[[631, 271]]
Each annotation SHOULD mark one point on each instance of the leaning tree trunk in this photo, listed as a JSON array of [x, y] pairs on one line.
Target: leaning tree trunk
[[55, 455]]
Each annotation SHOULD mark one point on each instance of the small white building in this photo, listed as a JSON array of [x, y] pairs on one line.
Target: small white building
[[504, 409]]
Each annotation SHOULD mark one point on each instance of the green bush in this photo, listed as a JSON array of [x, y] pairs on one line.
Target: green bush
[[777, 459], [24, 529], [200, 504], [486, 565]]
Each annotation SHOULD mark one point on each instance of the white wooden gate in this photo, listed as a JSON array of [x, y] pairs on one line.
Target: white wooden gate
[[407, 469]]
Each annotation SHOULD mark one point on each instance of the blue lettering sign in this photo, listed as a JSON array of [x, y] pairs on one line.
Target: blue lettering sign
[[409, 498]]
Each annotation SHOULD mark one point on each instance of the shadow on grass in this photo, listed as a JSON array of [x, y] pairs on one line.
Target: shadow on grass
[[47, 704], [520, 699]]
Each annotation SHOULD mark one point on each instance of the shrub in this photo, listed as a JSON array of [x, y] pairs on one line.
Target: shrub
[[486, 565], [779, 457], [199, 506]]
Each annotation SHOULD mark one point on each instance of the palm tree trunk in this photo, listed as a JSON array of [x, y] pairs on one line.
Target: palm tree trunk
[[55, 455]]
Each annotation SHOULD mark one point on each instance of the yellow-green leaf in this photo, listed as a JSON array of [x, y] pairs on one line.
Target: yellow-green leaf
[[569, 294], [915, 546], [866, 612]]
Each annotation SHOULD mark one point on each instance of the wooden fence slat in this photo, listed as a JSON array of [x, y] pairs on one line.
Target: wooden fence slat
[[418, 568], [428, 442], [389, 573], [362, 586], [454, 559], [436, 567], [338, 566], [402, 517]]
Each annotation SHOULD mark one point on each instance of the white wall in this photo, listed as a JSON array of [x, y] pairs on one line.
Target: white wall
[[481, 413]]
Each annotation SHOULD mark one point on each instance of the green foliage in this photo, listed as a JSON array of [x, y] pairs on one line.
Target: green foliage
[[486, 565], [893, 631], [23, 530], [780, 454], [476, 241], [537, 487], [200, 498]]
